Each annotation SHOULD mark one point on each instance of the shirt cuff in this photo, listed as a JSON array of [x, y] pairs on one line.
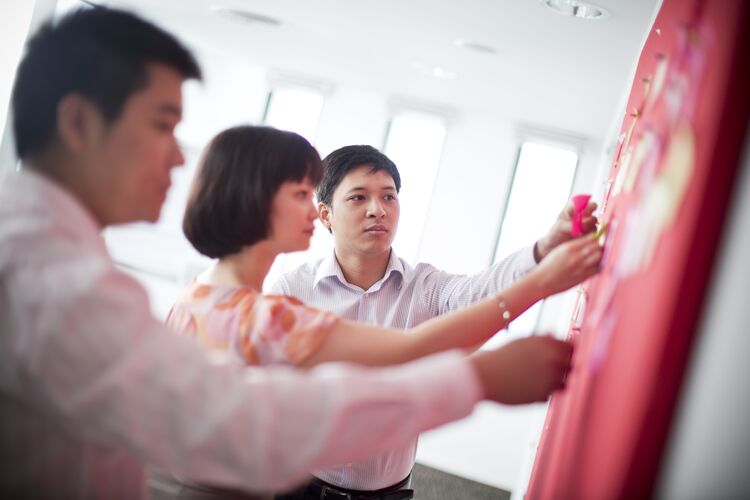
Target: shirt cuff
[[450, 387], [526, 260]]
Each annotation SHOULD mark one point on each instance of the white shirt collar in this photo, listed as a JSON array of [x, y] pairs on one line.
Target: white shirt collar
[[329, 268]]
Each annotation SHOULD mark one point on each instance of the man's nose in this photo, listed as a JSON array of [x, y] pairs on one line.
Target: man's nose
[[375, 209], [178, 158]]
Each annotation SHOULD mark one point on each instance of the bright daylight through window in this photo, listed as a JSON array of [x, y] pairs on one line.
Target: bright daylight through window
[[541, 186]]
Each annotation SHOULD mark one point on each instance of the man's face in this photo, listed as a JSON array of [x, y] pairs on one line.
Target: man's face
[[129, 160], [364, 213]]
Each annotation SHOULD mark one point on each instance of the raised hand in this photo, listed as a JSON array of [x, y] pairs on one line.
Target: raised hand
[[568, 264], [560, 232]]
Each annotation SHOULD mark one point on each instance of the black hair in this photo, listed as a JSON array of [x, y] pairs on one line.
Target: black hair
[[340, 162], [241, 170], [99, 52]]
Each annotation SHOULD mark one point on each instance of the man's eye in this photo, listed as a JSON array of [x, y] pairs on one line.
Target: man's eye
[[163, 126], [358, 197], [390, 197]]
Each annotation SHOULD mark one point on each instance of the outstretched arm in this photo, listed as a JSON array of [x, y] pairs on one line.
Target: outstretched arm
[[454, 292], [372, 345]]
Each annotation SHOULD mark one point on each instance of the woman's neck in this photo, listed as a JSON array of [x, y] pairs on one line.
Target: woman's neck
[[247, 268]]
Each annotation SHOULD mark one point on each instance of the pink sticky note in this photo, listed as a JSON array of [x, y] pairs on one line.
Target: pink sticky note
[[580, 201]]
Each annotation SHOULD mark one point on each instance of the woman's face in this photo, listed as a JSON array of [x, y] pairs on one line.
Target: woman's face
[[292, 216]]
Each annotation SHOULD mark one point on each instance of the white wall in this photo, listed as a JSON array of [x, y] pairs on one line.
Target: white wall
[[469, 193]]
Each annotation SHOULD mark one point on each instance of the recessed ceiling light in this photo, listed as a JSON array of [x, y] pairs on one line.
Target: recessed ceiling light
[[477, 47], [433, 71], [576, 8], [245, 16]]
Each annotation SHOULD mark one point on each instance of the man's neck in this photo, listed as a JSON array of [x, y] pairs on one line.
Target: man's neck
[[56, 166], [363, 270]]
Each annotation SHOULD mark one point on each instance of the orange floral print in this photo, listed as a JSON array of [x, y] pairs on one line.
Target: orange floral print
[[260, 330]]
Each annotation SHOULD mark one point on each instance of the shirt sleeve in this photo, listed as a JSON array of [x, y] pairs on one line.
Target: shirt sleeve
[[282, 330], [87, 353], [453, 291], [280, 286]]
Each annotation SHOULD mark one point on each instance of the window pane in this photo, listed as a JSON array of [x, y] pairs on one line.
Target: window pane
[[415, 144], [14, 27], [63, 6], [541, 187], [296, 110]]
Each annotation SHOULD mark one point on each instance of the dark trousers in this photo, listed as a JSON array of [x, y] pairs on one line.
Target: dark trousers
[[317, 489], [165, 486]]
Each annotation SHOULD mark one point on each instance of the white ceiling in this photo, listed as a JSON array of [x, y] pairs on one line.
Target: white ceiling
[[550, 71]]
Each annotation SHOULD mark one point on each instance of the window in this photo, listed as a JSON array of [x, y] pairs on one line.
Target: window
[[14, 26], [294, 109], [62, 7], [541, 186], [415, 143]]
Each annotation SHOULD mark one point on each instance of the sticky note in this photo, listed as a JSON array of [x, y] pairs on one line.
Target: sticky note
[[579, 205]]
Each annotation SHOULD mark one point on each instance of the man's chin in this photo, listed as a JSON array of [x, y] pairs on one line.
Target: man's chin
[[151, 216], [375, 251]]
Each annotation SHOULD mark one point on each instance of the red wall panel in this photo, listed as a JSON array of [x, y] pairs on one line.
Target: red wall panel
[[678, 154]]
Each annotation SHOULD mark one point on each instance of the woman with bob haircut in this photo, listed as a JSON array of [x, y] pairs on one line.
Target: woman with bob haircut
[[252, 199]]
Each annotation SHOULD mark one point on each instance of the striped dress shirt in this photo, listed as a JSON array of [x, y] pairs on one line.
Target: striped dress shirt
[[403, 298]]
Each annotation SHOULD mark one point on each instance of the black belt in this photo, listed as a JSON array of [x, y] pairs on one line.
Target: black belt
[[320, 490]]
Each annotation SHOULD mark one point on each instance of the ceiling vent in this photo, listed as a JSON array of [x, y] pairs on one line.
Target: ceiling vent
[[246, 16], [476, 47], [575, 8]]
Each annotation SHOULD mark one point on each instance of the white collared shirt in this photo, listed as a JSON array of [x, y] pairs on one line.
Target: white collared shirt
[[92, 386], [403, 298]]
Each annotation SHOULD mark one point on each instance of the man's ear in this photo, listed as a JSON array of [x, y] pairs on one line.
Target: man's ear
[[76, 119], [324, 212]]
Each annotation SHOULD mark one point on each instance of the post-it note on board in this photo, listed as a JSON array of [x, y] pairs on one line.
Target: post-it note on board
[[580, 201]]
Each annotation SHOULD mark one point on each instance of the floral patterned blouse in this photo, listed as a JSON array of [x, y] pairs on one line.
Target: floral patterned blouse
[[260, 329]]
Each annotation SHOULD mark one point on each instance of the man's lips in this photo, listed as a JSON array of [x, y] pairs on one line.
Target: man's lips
[[377, 228]]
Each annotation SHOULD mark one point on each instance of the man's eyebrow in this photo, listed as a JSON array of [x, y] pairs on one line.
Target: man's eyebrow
[[170, 109], [360, 188]]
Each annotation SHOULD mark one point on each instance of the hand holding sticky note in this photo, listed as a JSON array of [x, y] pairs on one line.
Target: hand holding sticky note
[[580, 201]]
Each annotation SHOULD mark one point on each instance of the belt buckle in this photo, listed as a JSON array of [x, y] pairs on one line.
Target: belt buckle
[[334, 494]]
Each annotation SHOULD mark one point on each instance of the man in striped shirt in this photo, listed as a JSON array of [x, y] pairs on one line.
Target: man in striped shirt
[[364, 279]]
